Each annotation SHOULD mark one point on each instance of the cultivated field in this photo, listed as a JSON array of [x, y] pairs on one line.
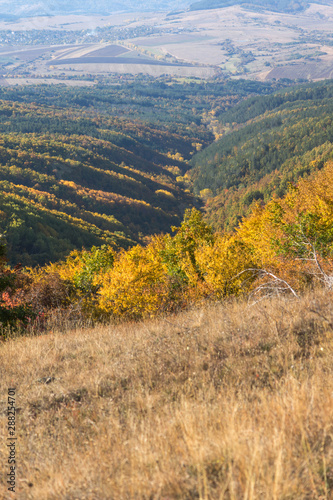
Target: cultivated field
[[8, 82], [233, 41], [242, 42], [71, 22], [229, 401], [150, 68], [306, 71], [109, 51]]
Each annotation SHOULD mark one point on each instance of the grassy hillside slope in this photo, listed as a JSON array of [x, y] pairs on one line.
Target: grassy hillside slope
[[229, 402], [267, 143], [225, 400]]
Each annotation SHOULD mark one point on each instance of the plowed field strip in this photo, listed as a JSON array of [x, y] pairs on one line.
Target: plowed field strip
[[113, 60]]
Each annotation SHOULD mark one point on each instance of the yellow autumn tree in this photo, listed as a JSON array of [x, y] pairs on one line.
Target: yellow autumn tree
[[135, 286], [80, 275], [292, 237], [223, 262]]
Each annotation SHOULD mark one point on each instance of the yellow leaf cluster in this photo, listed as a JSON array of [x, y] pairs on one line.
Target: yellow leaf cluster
[[173, 271], [134, 287]]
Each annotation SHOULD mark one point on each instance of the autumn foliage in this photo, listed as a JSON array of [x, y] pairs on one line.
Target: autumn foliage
[[283, 246]]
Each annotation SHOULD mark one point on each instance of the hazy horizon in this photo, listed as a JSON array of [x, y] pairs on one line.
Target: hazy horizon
[[22, 8]]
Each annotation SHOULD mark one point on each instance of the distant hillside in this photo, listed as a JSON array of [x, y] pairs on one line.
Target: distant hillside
[[275, 5], [69, 181], [23, 8], [268, 142]]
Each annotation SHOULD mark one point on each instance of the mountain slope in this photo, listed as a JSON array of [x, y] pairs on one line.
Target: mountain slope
[[274, 5], [268, 142], [68, 181]]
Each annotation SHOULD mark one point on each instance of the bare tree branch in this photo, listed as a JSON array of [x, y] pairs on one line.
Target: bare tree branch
[[274, 284]]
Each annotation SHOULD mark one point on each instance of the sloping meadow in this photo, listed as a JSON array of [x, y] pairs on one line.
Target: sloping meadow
[[226, 401]]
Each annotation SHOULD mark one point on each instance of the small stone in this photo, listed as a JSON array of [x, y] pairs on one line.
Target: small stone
[[46, 380]]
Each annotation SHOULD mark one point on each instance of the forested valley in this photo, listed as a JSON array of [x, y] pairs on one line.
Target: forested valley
[[146, 197], [267, 144], [83, 167]]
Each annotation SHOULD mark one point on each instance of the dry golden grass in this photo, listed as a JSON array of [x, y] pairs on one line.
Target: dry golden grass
[[224, 402]]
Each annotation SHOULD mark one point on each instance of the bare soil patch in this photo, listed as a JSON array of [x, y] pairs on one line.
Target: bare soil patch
[[309, 71]]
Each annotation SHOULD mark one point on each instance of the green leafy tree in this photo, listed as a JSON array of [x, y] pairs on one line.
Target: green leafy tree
[[181, 248]]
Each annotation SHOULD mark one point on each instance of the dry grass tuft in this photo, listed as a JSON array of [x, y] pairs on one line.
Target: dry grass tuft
[[224, 402]]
